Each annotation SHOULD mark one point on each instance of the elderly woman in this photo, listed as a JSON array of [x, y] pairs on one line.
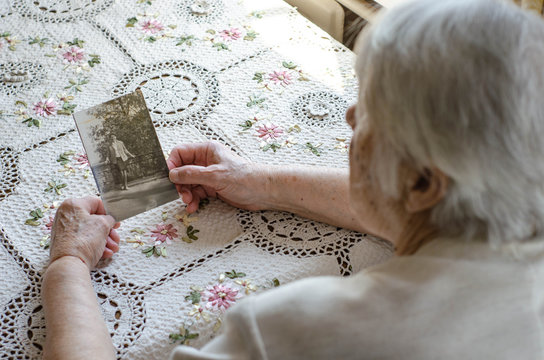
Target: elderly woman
[[445, 162]]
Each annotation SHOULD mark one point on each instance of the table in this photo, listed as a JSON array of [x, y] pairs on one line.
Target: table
[[227, 70]]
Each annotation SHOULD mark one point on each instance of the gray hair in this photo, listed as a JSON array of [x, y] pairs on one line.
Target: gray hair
[[459, 85]]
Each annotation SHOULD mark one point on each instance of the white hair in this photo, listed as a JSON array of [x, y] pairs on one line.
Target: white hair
[[459, 85]]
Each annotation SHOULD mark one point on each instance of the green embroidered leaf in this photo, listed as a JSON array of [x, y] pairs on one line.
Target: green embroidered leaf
[[250, 36], [259, 76], [54, 186], [95, 59], [150, 39], [163, 251], [193, 297], [67, 109], [220, 46], [294, 128], [183, 336], [256, 101], [32, 122], [138, 231], [20, 102], [288, 65], [257, 14], [186, 239], [164, 215], [149, 251], [302, 77], [234, 275], [37, 40], [211, 31], [131, 21], [188, 40], [172, 26], [65, 157], [272, 146], [191, 231], [246, 125], [275, 282], [76, 42], [32, 222], [5, 34], [314, 149]]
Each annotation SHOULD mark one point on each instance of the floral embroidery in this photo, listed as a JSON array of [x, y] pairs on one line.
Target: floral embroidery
[[269, 132], [164, 233], [219, 39], [246, 285], [72, 162], [314, 149], [37, 40], [257, 100], [280, 77], [54, 186], [219, 297], [183, 336], [38, 217], [9, 40], [209, 303], [341, 145], [151, 28], [73, 55], [230, 34], [45, 107]]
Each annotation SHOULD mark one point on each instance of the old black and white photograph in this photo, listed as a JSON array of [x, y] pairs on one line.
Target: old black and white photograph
[[125, 156]]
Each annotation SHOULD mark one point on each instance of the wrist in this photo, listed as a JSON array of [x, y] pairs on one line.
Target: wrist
[[71, 261]]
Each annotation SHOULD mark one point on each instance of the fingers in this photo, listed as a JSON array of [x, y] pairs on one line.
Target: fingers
[[91, 204], [203, 154], [112, 245], [107, 253], [107, 221], [194, 175]]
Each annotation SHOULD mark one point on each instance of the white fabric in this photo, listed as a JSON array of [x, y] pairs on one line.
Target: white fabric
[[451, 300]]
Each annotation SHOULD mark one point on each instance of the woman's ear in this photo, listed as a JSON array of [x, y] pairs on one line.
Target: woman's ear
[[425, 189]]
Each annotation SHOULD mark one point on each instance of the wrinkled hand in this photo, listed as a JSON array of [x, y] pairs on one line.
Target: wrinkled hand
[[82, 229], [210, 169]]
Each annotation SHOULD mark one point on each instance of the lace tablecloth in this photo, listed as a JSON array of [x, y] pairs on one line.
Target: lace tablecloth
[[254, 75]]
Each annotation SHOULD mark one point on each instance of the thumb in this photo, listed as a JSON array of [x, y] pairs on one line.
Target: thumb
[[193, 175]]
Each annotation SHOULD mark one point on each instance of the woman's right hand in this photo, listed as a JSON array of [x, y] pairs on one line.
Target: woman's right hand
[[209, 169]]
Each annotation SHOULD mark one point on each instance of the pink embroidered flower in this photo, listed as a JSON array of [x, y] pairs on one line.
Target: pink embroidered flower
[[45, 107], [73, 55], [164, 233], [231, 34], [219, 296], [280, 77], [81, 160], [49, 225], [152, 26], [269, 131]]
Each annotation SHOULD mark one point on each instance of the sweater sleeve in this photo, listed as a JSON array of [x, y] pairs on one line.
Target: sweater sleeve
[[240, 339]]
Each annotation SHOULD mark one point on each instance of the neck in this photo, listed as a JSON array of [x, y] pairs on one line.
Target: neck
[[414, 234]]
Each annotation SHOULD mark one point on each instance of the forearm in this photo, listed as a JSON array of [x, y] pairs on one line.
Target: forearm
[[74, 323], [316, 193]]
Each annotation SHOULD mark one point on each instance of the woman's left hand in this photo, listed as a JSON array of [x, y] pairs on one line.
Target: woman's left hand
[[82, 229]]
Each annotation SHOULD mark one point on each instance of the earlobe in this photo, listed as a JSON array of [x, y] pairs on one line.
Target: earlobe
[[426, 190]]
